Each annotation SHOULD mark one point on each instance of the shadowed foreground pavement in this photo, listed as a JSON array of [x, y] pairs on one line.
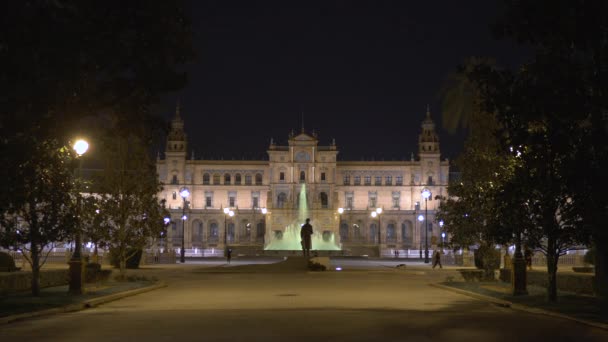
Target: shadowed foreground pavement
[[261, 302]]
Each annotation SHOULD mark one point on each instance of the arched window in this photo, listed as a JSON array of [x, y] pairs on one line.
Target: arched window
[[407, 233], [247, 179], [214, 232], [245, 234], [206, 178], [227, 179], [302, 176], [237, 179], [357, 232], [391, 233], [373, 233], [281, 200], [324, 201], [344, 232], [258, 179], [174, 179], [216, 179], [260, 231], [197, 231], [230, 235]]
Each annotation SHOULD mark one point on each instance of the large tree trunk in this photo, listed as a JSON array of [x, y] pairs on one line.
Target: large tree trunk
[[35, 255], [601, 270], [552, 258]]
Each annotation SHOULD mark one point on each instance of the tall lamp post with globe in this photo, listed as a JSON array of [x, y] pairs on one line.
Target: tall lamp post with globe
[[76, 270], [184, 193], [377, 213], [426, 194]]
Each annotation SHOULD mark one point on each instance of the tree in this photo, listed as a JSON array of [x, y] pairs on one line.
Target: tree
[[130, 213], [68, 60], [570, 45], [460, 96], [41, 211]]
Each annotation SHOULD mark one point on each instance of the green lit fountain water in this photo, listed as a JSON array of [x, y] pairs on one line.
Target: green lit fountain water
[[290, 239]]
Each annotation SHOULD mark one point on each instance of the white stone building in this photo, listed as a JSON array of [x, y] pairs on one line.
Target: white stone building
[[263, 195]]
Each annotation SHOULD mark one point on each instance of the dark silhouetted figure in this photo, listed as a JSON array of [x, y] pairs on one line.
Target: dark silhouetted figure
[[437, 259], [305, 234], [229, 254]]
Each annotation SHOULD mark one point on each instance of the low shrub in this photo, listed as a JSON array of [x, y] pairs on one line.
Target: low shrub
[[133, 278], [315, 266], [590, 256], [132, 262], [94, 273], [7, 263]]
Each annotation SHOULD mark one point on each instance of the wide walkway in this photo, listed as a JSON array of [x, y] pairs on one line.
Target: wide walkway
[[281, 303]]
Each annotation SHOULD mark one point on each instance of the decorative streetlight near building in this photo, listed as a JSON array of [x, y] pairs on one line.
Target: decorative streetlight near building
[[426, 194], [227, 212], [75, 286], [378, 213], [184, 193], [442, 234]]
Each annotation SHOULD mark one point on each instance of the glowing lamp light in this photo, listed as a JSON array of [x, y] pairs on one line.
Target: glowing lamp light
[[264, 211], [231, 213], [167, 220], [226, 210], [443, 235], [184, 193], [184, 218], [420, 217], [374, 214], [441, 223], [340, 210], [426, 193], [379, 210], [81, 147], [338, 268]]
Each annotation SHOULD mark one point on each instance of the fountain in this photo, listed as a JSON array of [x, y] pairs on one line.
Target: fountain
[[290, 238]]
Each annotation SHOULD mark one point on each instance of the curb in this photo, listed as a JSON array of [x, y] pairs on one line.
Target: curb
[[90, 303], [492, 300], [521, 307]]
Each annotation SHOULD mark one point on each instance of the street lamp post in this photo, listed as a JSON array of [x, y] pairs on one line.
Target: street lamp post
[[227, 212], [76, 269], [420, 219], [426, 194], [184, 193], [377, 213], [442, 234]]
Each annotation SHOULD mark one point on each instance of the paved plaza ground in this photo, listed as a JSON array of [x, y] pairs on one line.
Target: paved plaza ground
[[366, 301]]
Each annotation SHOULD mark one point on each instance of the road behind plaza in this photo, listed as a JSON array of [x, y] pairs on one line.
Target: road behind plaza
[[281, 302]]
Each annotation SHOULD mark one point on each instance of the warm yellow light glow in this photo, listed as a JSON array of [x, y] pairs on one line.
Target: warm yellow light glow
[[81, 146]]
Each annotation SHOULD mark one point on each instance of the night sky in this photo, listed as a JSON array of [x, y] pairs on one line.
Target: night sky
[[361, 72]]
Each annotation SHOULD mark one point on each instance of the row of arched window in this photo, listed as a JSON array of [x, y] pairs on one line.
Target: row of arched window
[[282, 200], [228, 179], [211, 234], [356, 232]]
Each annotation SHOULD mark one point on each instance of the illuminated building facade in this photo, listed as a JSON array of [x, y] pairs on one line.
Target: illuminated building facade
[[264, 196]]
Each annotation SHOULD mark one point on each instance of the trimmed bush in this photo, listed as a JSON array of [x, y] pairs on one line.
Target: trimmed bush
[[590, 256], [315, 266], [132, 262], [7, 263], [94, 273]]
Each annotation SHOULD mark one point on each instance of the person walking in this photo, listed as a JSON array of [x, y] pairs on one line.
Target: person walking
[[437, 259], [305, 235], [229, 254]]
